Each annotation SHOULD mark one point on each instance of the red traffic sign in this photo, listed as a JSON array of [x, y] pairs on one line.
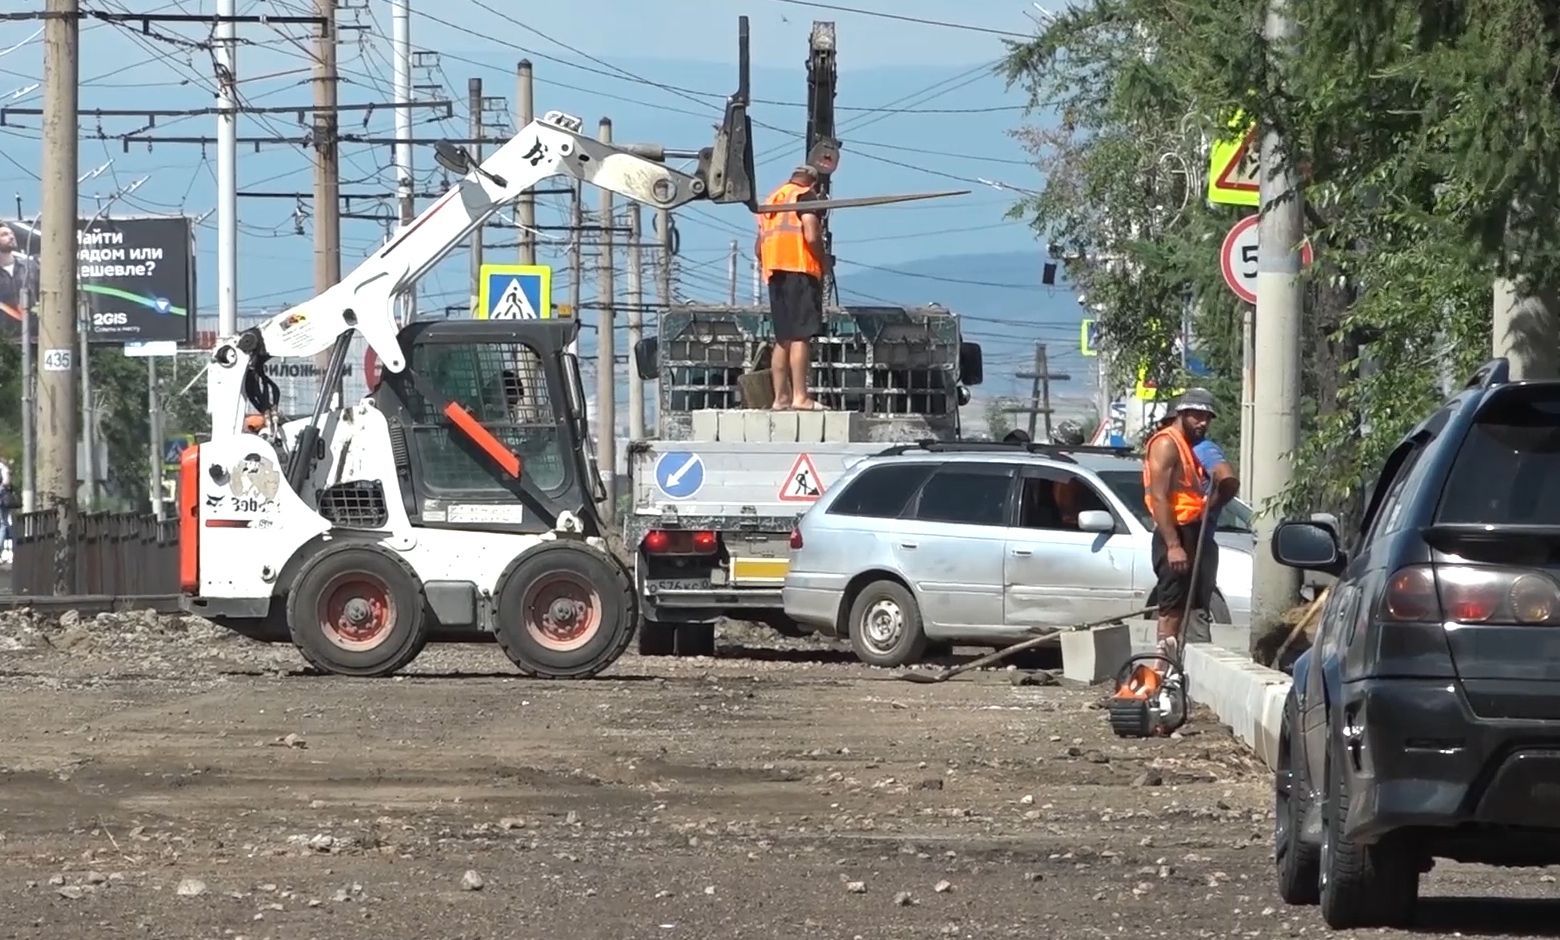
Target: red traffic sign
[[1238, 258]]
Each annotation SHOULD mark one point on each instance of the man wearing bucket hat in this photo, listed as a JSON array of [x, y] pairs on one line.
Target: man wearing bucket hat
[[1180, 496], [790, 248]]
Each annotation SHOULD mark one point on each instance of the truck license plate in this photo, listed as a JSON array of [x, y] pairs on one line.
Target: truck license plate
[[677, 584], [759, 569]]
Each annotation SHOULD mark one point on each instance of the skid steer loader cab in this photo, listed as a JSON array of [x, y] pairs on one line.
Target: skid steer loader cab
[[514, 378]]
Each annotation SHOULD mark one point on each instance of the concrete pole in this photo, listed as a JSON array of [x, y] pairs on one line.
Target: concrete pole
[[474, 105], [1034, 392], [663, 225], [1275, 422], [731, 275], [525, 209], [636, 325], [606, 353], [29, 304], [89, 448], [154, 442], [1248, 385], [1526, 331], [57, 418], [576, 256], [227, 172], [327, 167], [406, 203]]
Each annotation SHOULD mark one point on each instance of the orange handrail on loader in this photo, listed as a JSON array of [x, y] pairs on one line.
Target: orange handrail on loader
[[189, 519]]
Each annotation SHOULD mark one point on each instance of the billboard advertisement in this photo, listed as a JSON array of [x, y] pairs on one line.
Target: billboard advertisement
[[135, 278]]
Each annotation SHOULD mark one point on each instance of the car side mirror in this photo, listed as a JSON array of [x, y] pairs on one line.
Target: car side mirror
[[1309, 546], [1096, 520]]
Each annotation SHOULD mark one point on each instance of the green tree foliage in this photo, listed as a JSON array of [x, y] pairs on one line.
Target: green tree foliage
[[119, 384], [1429, 139]]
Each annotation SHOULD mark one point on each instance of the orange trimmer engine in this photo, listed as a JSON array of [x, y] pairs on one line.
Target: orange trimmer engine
[[1150, 697]]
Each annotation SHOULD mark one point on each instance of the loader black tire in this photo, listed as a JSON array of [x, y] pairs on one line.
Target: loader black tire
[[542, 600], [356, 611]]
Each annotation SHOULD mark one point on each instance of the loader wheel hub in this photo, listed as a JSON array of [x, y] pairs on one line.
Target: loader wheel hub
[[356, 611], [562, 611]]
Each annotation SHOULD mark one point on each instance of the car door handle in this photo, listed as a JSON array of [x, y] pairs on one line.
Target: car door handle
[[907, 544], [1022, 552]]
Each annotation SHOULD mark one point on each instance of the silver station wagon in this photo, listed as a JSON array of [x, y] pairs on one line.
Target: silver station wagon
[[978, 544]]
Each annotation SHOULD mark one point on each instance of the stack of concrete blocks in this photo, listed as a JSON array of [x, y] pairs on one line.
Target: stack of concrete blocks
[[1246, 696], [777, 427]]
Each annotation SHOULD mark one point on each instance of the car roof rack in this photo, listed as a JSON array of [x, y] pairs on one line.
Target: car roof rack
[[1057, 451]]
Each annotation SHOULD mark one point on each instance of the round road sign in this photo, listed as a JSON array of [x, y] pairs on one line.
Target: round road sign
[[1238, 258]]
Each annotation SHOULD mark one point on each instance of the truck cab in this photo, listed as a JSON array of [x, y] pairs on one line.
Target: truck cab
[[717, 491]]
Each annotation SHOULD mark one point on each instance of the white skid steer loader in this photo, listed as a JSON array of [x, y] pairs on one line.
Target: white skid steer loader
[[458, 499]]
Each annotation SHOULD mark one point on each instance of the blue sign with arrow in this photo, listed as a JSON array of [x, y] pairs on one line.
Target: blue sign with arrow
[[679, 474]]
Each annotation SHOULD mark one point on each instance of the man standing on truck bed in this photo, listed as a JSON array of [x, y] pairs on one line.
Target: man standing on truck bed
[[790, 249], [1176, 489]]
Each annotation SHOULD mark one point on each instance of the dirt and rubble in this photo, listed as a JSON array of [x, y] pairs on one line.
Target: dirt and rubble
[[161, 777]]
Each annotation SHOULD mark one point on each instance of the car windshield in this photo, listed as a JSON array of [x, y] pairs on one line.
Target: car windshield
[[1128, 485]]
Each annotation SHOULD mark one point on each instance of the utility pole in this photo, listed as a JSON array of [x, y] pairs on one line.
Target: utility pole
[[327, 167], [474, 102], [525, 113], [1248, 386], [406, 205], [731, 275], [636, 325], [663, 225], [154, 433], [606, 353], [88, 473], [1275, 424], [1525, 331], [576, 256], [57, 418], [1040, 394], [227, 171]]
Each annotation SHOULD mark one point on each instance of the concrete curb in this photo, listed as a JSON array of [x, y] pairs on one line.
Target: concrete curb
[[1247, 697]]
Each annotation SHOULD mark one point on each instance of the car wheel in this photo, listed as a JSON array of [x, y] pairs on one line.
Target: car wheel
[[1298, 864], [357, 612], [565, 611], [885, 625], [1361, 885]]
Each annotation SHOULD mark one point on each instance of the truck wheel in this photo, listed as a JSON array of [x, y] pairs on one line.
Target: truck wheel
[[657, 638], [357, 612], [696, 639], [885, 625], [1361, 885], [565, 611]]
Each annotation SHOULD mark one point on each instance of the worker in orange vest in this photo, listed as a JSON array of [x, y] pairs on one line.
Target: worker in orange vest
[[1176, 491], [790, 249]]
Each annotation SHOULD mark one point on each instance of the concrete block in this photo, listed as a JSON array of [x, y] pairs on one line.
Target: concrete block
[[842, 427], [1093, 655], [706, 425], [784, 426], [732, 427], [1247, 697], [809, 426], [756, 426]]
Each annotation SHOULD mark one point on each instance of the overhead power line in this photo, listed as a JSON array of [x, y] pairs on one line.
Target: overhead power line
[[907, 19]]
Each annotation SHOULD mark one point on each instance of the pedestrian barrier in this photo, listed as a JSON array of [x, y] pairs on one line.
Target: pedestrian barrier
[[116, 554]]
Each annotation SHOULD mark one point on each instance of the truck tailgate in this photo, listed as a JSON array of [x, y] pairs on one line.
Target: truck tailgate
[[698, 480]]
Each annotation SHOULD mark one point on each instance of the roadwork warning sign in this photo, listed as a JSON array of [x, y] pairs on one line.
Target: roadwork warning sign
[[802, 484]]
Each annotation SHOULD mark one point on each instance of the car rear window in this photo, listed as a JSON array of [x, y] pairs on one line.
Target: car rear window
[[1507, 469], [881, 492]]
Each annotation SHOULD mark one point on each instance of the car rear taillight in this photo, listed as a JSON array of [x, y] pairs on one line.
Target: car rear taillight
[[1472, 594], [796, 538], [680, 542]]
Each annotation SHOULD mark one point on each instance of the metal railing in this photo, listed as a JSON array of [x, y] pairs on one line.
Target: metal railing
[[117, 554]]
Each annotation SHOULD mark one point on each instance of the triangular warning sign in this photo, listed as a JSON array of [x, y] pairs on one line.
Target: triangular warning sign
[[514, 304], [802, 484], [1242, 171]]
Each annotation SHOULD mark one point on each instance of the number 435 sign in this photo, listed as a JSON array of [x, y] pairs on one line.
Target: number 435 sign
[[1239, 258]]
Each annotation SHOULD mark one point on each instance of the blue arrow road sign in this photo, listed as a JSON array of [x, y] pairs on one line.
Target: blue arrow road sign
[[679, 474]]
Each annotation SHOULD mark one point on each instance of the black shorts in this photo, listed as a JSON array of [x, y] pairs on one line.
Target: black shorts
[[1172, 590], [795, 305]]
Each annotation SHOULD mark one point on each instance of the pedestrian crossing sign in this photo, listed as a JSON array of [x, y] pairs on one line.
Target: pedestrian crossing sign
[[515, 292]]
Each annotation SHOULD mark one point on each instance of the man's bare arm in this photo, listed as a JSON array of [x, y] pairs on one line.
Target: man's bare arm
[[1226, 485], [1163, 461]]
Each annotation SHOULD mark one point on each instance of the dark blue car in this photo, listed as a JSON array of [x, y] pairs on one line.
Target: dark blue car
[[1424, 723]]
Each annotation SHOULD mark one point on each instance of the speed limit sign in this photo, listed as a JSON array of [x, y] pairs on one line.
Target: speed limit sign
[[1239, 258]]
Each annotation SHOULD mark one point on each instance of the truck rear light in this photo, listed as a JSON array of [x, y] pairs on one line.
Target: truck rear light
[[1471, 594], [796, 538], [680, 542]]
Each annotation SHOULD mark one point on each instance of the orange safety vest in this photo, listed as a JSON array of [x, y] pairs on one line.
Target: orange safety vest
[[782, 246], [1189, 494]]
